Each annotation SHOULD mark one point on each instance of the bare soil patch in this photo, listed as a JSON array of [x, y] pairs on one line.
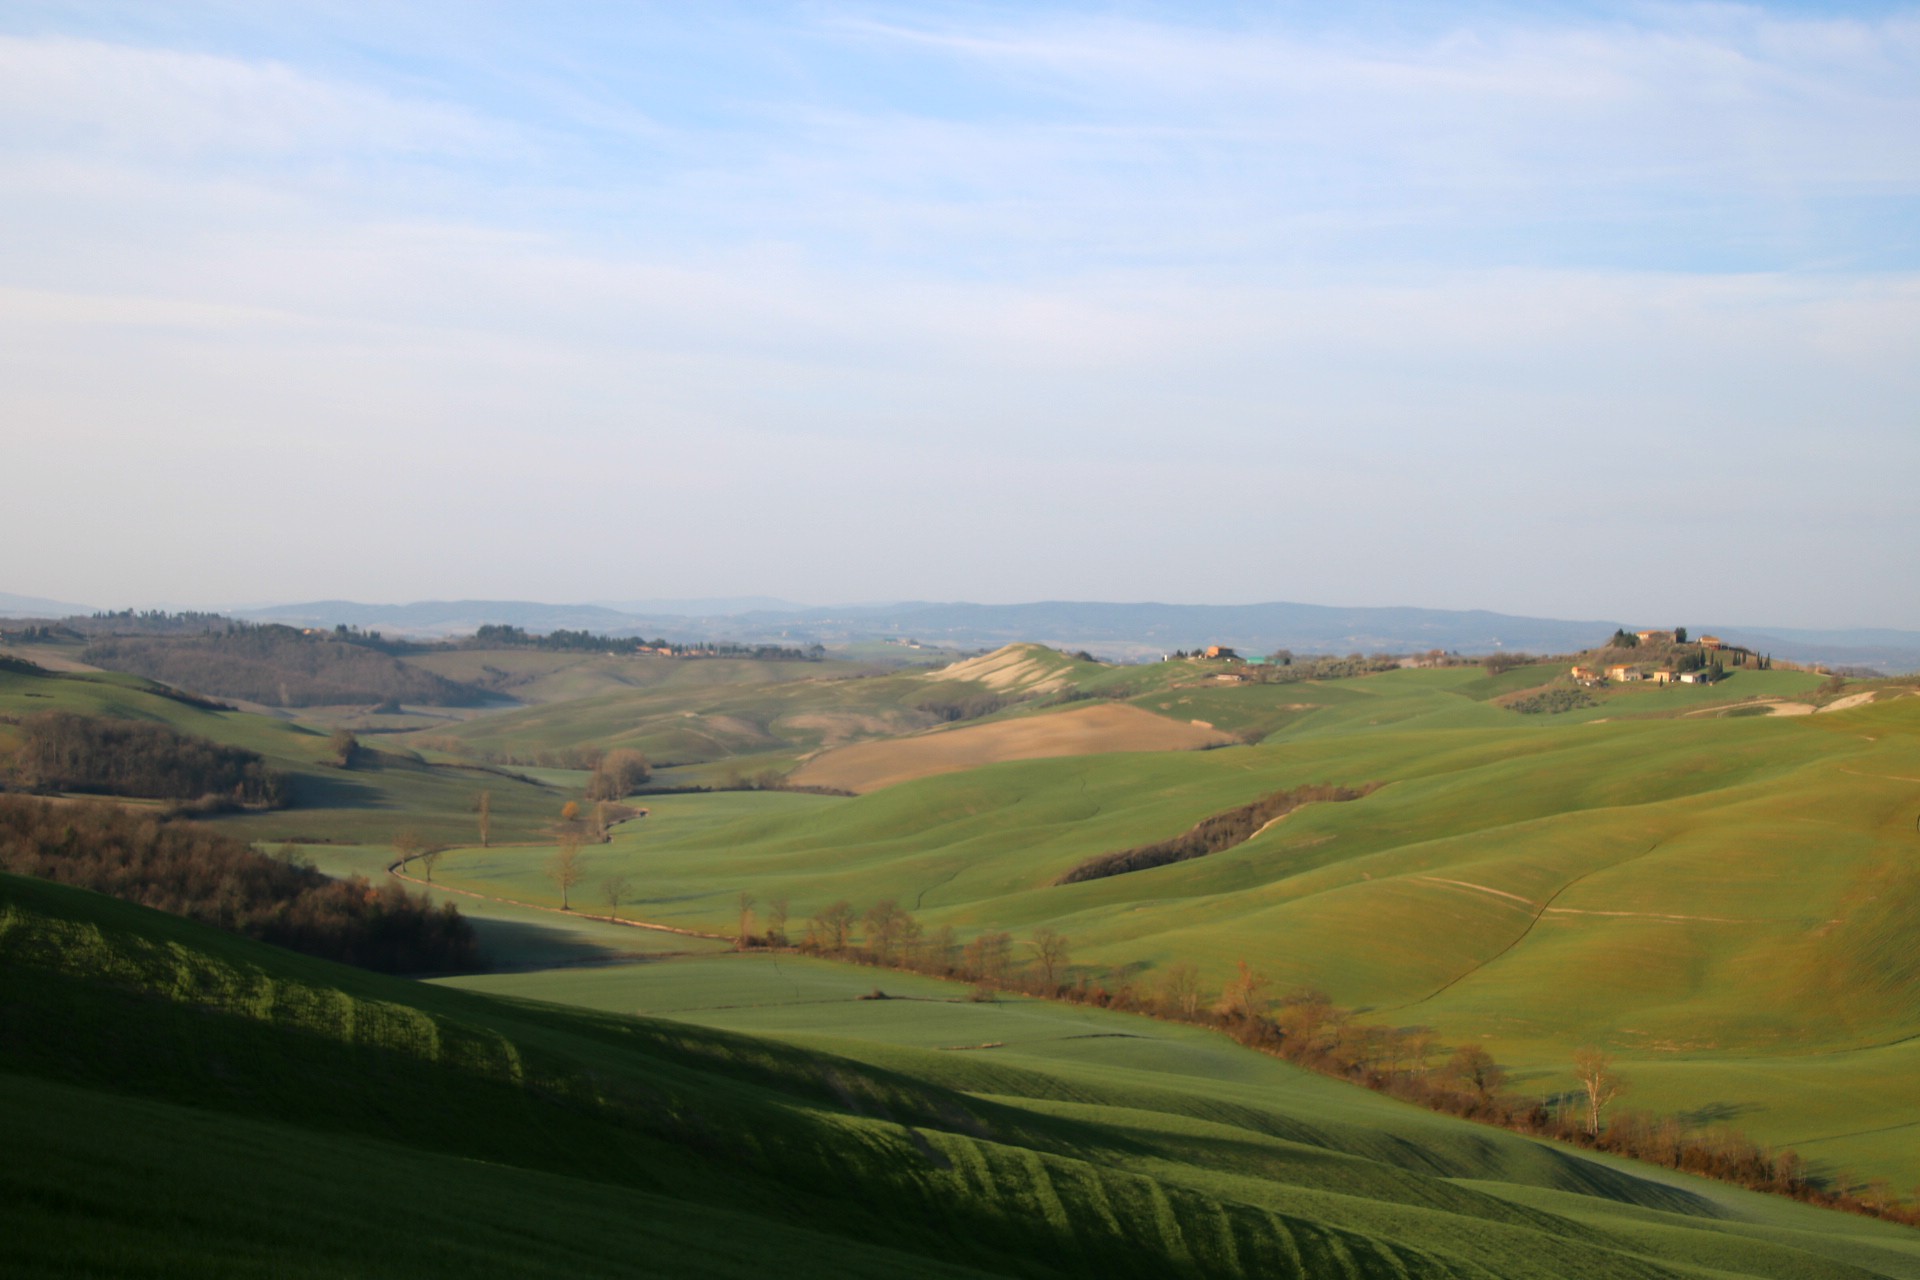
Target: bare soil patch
[[1096, 730], [1013, 667]]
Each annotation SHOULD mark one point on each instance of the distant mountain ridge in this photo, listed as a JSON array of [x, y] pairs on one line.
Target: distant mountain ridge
[[1116, 630], [12, 606]]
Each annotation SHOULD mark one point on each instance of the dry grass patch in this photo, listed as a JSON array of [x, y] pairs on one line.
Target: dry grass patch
[[869, 766], [1019, 667]]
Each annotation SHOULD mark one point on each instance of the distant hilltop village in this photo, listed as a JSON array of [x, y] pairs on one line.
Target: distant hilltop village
[[1668, 657], [1653, 656]]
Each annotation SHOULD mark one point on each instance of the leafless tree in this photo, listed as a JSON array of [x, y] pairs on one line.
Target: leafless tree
[[833, 924], [483, 805], [887, 927], [1594, 1069], [1244, 994], [618, 775], [1475, 1069], [986, 956], [564, 868], [1180, 988], [1050, 951], [407, 845], [745, 935], [616, 889]]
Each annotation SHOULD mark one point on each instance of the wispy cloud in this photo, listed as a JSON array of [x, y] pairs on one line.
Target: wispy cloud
[[167, 106], [1448, 298]]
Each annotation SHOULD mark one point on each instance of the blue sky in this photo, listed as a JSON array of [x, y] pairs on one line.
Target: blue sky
[[1586, 310]]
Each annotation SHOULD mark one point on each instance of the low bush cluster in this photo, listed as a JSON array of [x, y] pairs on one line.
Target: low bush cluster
[[1211, 835], [1552, 702]]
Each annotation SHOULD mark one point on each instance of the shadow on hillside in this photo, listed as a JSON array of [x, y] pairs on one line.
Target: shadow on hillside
[[511, 945], [324, 791], [1717, 1113]]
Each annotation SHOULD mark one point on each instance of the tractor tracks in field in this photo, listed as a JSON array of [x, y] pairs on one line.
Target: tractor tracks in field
[[1520, 937]]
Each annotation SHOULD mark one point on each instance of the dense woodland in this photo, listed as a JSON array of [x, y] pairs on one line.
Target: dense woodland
[[62, 751], [280, 666], [195, 871]]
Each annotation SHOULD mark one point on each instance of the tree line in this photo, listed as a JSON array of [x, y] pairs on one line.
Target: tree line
[[501, 635], [192, 870], [62, 751], [1305, 1027], [1212, 834]]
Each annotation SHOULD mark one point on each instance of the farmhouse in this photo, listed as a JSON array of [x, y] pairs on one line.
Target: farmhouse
[[1711, 642], [1585, 675], [1622, 673], [1703, 676], [1655, 637], [1221, 652], [1663, 677]]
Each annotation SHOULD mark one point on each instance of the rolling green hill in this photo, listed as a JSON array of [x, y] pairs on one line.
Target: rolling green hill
[[1729, 904], [384, 791], [184, 1102], [1725, 898]]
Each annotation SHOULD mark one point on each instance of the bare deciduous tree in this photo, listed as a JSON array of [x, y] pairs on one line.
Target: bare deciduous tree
[[833, 924], [1180, 988], [407, 845], [483, 805], [1050, 952], [1244, 994], [1475, 1069], [745, 936], [986, 956], [616, 889], [1594, 1069], [887, 926], [564, 868], [618, 775]]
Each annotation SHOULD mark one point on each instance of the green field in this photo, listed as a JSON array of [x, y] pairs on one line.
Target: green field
[[180, 1102], [1728, 904], [387, 788], [1727, 901]]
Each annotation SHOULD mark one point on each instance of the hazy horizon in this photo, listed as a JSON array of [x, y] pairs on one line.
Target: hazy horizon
[[1581, 311]]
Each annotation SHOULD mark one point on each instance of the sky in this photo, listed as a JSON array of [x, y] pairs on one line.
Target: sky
[[1578, 310]]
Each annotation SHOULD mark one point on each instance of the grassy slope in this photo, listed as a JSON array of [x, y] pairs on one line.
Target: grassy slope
[[182, 1102], [1729, 904], [386, 790], [753, 713]]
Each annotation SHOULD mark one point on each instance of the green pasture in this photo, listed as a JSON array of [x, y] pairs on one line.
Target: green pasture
[[514, 937], [684, 711], [387, 789], [183, 1102], [1728, 903], [1680, 890], [538, 677]]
